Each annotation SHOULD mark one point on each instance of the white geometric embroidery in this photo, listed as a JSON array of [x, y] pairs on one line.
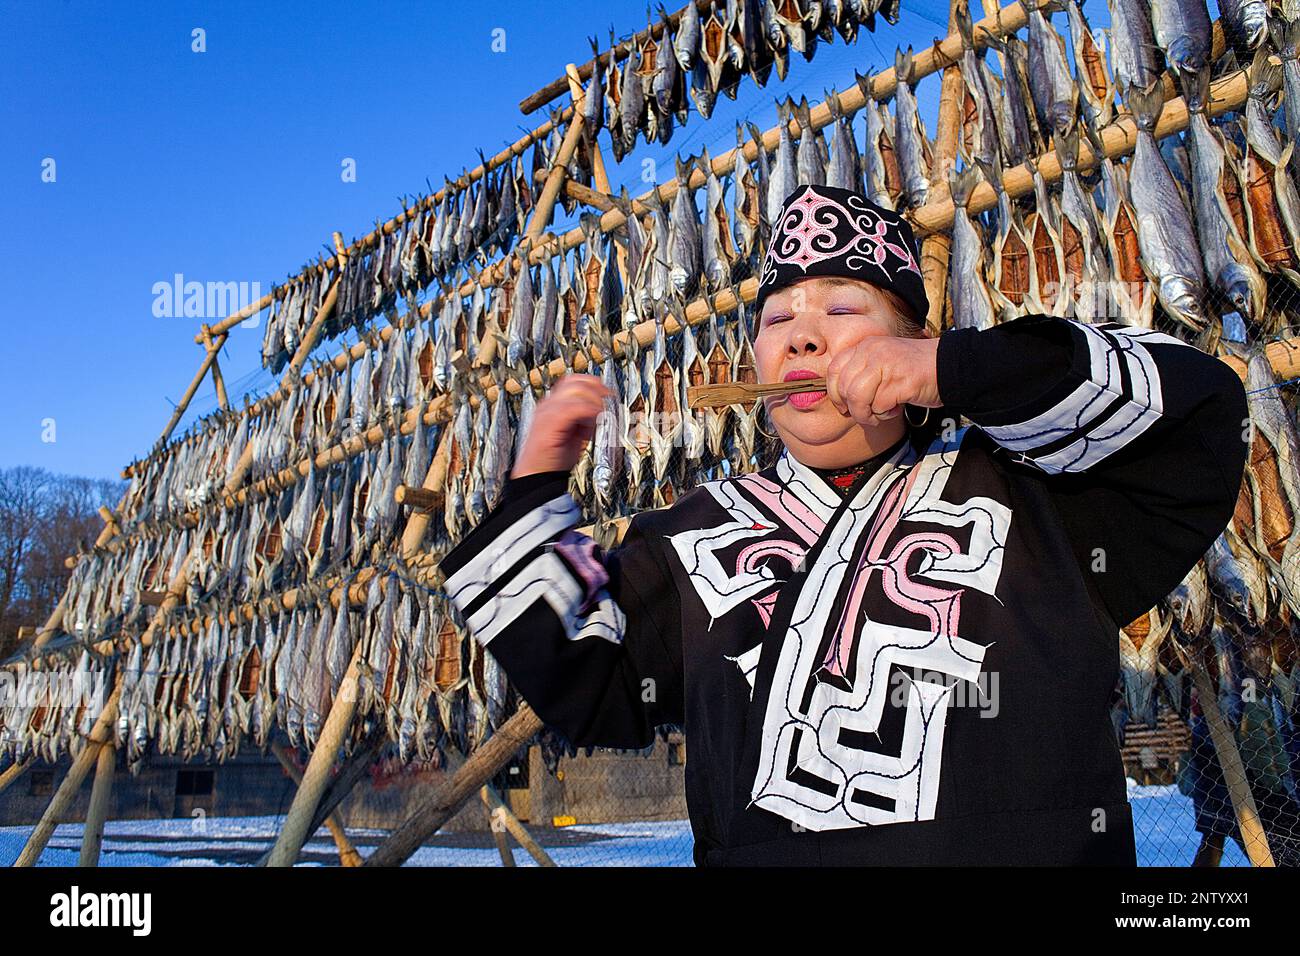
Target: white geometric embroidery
[[820, 764]]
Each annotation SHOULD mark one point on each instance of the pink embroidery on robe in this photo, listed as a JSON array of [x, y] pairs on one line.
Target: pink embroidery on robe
[[580, 551], [747, 562], [941, 607]]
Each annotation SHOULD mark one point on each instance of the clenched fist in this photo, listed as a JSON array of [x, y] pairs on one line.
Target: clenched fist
[[563, 422], [874, 379]]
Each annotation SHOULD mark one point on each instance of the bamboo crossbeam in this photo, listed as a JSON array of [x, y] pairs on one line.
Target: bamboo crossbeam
[[558, 87], [420, 498], [372, 238]]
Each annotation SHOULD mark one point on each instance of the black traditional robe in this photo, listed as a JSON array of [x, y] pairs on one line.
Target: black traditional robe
[[919, 672]]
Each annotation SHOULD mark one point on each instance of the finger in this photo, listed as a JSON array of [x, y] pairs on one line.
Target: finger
[[835, 382], [861, 393]]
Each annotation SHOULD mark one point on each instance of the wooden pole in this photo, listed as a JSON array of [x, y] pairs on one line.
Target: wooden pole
[[352, 772], [502, 814], [1234, 773], [515, 828], [443, 803], [551, 191], [67, 792], [218, 382], [13, 772], [497, 825], [92, 833], [348, 855], [314, 330], [294, 833], [208, 358], [935, 248]]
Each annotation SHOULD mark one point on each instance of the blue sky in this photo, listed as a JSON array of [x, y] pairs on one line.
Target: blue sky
[[224, 166]]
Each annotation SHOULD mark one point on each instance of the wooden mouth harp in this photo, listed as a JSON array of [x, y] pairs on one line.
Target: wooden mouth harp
[[739, 393]]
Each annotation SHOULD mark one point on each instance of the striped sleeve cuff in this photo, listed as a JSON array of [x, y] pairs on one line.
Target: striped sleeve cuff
[[1059, 394], [525, 551]]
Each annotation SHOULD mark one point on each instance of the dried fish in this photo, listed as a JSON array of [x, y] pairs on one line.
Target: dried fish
[[719, 253], [684, 242], [784, 176], [1228, 261], [914, 159], [1170, 252], [809, 166], [971, 305], [1052, 88], [1134, 56]]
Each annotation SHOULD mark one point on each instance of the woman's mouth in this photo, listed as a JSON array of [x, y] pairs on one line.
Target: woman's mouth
[[803, 399]]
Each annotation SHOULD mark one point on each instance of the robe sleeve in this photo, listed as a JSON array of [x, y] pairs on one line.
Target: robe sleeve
[[1138, 437], [590, 639]]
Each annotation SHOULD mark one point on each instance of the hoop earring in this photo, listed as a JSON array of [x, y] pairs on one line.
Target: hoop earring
[[761, 430], [919, 424]]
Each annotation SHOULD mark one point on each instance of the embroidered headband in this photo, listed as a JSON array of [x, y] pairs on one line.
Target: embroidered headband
[[827, 231]]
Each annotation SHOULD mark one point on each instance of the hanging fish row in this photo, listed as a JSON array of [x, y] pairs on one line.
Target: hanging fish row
[[51, 712], [335, 518], [200, 694], [432, 244], [703, 55], [642, 95], [1243, 597], [1203, 224]]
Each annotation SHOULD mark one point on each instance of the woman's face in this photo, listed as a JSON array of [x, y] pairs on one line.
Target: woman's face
[[801, 327]]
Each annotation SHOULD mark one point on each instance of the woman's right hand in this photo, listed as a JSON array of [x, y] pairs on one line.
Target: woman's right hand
[[563, 422]]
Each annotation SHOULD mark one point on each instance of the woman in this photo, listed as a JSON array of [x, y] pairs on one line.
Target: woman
[[897, 644]]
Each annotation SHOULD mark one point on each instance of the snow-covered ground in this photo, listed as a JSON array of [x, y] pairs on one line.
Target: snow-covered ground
[[1162, 820]]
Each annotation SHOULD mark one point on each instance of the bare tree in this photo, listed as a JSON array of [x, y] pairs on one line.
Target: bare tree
[[43, 518]]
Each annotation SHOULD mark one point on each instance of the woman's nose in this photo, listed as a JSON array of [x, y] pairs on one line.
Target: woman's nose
[[805, 339]]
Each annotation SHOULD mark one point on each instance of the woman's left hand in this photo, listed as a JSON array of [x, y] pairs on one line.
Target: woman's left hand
[[873, 380]]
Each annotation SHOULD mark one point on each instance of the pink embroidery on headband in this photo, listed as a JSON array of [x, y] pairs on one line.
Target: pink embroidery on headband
[[807, 235]]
